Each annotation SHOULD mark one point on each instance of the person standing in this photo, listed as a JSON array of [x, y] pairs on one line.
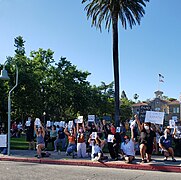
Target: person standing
[[30, 135]]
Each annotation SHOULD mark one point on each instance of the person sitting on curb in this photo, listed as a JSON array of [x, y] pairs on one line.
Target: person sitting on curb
[[97, 153], [71, 139], [147, 139], [165, 144], [40, 133], [127, 148]]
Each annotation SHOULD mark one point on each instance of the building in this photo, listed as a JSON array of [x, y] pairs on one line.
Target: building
[[170, 108]]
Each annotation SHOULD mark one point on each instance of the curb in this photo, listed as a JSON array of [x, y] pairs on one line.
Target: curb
[[148, 167]]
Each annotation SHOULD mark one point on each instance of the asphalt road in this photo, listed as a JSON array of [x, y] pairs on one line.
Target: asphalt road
[[30, 171]]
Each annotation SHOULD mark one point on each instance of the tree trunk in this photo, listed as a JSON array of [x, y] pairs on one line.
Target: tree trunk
[[116, 66]]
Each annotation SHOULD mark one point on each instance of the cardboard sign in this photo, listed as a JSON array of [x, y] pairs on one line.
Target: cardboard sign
[[37, 122], [118, 129], [172, 123], [91, 118], [79, 119], [110, 138], [48, 123], [70, 124], [3, 140], [154, 117], [28, 123], [94, 135]]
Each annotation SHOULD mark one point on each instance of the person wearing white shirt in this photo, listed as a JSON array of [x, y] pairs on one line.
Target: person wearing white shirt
[[128, 148]]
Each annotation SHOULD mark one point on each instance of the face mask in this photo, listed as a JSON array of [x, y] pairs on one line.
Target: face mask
[[146, 127], [126, 140]]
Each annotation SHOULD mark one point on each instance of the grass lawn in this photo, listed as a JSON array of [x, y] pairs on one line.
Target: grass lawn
[[19, 143]]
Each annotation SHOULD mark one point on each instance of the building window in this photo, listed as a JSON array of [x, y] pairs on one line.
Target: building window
[[176, 110]]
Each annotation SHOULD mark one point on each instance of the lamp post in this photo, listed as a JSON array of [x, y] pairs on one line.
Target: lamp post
[[4, 76], [44, 114]]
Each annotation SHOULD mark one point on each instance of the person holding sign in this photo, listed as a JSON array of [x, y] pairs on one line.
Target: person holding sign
[[71, 139], [127, 148], [95, 143], [40, 134], [147, 139], [81, 145]]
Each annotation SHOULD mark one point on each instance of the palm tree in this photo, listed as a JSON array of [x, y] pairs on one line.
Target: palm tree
[[109, 11]]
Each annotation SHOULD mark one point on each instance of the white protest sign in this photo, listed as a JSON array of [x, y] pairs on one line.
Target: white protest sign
[[110, 138], [91, 118], [48, 123], [94, 135], [3, 140], [37, 122], [56, 123], [132, 124], [79, 119], [154, 117], [70, 124], [118, 129], [27, 123], [172, 123]]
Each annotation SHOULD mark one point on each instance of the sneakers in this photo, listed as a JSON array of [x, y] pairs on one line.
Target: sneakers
[[143, 161], [165, 159]]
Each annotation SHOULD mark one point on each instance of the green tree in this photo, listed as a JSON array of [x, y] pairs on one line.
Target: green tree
[[129, 12]]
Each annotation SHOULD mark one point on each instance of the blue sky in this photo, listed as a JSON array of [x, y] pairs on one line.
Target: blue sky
[[62, 25]]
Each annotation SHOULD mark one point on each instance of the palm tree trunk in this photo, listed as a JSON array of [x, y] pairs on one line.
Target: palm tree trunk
[[116, 66]]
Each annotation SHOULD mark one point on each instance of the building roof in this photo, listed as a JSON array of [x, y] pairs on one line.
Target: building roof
[[176, 102], [139, 104]]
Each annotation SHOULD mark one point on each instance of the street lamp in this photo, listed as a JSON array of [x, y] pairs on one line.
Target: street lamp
[[44, 114], [4, 76]]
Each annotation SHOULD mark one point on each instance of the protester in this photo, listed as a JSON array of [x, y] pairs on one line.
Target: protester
[[81, 145], [147, 140], [30, 135], [128, 148], [71, 139], [107, 131], [97, 153], [14, 129], [60, 140], [165, 144], [40, 134], [53, 135], [177, 138]]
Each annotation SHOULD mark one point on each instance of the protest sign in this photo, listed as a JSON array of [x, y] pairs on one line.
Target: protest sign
[[94, 135], [3, 140], [37, 122], [79, 119], [48, 123], [172, 123], [118, 129], [110, 138], [28, 123], [142, 112], [70, 124], [91, 118], [154, 117]]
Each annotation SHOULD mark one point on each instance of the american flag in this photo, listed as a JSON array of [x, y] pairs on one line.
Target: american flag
[[161, 78]]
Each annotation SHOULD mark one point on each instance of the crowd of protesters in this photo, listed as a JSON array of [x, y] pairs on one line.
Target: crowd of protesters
[[90, 139]]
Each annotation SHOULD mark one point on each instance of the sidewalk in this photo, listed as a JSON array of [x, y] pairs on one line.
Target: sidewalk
[[61, 159]]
